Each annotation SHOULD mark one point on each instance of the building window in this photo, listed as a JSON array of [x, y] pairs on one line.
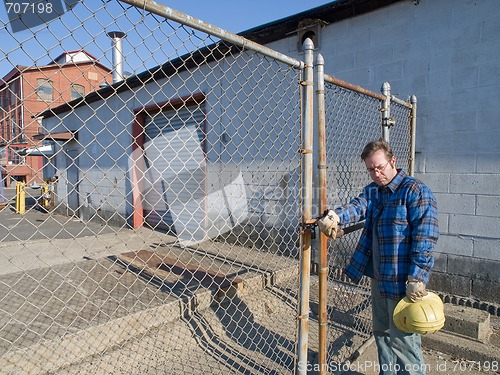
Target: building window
[[77, 91], [3, 99], [14, 157], [16, 132], [44, 89], [13, 129], [13, 88], [3, 156]]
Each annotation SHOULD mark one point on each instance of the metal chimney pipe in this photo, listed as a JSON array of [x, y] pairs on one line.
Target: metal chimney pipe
[[116, 38]]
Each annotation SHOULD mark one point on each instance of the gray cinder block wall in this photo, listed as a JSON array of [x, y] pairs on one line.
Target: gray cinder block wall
[[447, 53]]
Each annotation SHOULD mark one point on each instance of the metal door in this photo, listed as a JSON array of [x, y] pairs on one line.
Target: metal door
[[72, 182], [176, 168]]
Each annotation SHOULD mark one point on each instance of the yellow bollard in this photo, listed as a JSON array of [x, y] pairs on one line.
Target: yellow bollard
[[17, 197], [20, 198], [45, 196]]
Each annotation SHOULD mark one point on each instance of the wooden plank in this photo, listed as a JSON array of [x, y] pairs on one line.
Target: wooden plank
[[163, 267]]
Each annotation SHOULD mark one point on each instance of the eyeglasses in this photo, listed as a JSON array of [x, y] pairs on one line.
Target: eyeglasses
[[379, 169]]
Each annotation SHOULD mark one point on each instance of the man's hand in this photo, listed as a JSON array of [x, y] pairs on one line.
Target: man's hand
[[415, 289], [329, 223]]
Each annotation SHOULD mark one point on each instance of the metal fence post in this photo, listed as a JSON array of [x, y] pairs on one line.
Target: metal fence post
[[307, 184], [386, 111], [323, 255], [413, 133]]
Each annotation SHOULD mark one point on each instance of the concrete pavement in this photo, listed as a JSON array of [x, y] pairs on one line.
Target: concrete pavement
[[83, 252]]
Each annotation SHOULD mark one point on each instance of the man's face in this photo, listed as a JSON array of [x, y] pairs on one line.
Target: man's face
[[381, 170]]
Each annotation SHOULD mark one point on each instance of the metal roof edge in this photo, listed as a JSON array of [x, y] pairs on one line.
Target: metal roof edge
[[332, 12]]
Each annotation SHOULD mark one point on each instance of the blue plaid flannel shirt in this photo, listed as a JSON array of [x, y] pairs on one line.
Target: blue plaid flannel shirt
[[406, 220]]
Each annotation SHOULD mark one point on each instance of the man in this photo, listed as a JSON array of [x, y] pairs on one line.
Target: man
[[395, 250]]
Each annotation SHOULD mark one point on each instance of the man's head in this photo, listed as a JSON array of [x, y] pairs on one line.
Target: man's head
[[380, 162]]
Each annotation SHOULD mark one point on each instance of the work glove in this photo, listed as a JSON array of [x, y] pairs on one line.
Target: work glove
[[415, 289], [329, 223]]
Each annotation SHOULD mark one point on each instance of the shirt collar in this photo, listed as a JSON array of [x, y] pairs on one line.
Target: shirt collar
[[396, 181]]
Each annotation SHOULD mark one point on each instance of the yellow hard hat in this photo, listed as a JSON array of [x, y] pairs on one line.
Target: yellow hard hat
[[424, 316]]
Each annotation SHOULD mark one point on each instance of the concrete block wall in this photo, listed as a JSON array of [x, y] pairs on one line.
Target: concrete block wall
[[447, 53]]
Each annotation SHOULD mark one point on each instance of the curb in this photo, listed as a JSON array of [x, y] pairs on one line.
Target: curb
[[462, 347], [467, 334]]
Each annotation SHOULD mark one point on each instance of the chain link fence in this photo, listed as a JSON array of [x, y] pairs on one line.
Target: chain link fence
[[354, 116], [352, 120], [402, 134], [163, 197]]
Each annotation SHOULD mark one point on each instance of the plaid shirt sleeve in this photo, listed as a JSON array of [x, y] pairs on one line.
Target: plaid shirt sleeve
[[355, 210], [359, 209], [422, 216]]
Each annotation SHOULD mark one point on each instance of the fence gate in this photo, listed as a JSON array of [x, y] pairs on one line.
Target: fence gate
[[349, 117], [168, 168]]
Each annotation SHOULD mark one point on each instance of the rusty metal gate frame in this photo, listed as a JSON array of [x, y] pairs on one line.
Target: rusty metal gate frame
[[403, 123]]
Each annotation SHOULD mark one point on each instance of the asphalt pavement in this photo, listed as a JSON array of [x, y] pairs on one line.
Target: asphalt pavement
[[37, 224]]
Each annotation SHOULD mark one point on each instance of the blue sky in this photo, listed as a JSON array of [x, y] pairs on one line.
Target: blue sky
[[236, 16], [86, 29]]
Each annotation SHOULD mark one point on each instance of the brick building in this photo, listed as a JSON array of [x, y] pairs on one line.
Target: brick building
[[27, 91]]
